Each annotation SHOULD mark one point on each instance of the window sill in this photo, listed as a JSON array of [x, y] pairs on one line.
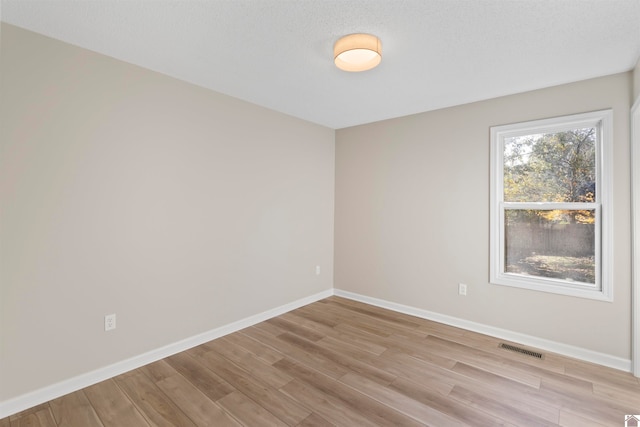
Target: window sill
[[559, 287]]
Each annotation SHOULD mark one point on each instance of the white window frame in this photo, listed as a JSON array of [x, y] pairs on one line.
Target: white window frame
[[603, 288]]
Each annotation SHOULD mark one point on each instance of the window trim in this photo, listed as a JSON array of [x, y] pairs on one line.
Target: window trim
[[603, 121]]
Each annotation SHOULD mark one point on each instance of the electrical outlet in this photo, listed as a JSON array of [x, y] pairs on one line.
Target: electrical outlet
[[462, 289], [109, 322], [317, 270]]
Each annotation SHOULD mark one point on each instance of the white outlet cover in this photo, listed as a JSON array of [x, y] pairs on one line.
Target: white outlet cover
[[109, 322]]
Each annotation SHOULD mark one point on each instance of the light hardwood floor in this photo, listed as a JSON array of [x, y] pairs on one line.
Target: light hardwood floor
[[344, 363]]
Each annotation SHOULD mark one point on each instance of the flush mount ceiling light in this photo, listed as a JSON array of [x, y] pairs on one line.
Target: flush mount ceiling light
[[357, 52]]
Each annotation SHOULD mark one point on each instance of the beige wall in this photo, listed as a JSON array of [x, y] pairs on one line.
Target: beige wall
[[636, 81], [412, 216], [125, 191]]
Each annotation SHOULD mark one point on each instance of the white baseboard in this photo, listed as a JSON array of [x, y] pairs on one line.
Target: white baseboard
[[29, 400], [528, 340]]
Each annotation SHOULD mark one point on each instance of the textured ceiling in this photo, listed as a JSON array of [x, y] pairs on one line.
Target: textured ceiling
[[278, 53]]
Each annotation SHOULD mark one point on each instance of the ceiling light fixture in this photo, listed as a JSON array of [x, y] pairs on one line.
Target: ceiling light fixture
[[357, 52]]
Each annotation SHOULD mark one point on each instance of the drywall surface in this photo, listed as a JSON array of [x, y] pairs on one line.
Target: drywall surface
[[125, 191], [412, 216], [636, 81]]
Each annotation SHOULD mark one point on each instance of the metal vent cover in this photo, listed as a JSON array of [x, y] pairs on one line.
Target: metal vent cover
[[521, 350]]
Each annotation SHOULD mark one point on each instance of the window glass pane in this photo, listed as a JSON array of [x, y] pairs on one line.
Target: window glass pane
[[554, 167], [551, 243]]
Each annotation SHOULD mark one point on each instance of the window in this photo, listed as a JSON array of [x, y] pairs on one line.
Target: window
[[551, 205]]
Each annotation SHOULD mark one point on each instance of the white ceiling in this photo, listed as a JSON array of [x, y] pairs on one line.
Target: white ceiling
[[278, 53]]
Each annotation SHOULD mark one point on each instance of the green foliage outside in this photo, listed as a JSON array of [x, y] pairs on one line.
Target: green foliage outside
[[557, 167]]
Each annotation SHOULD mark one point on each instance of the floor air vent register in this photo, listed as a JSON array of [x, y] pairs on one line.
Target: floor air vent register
[[521, 350]]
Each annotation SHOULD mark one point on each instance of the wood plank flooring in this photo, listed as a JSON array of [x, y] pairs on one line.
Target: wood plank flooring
[[338, 362]]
